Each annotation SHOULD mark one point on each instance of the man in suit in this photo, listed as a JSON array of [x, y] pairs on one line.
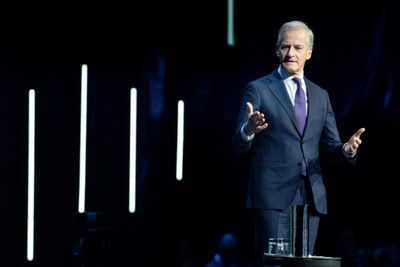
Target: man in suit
[[285, 169]]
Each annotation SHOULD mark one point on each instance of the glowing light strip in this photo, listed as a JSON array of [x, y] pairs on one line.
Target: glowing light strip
[[31, 176], [82, 158], [132, 152], [179, 143], [230, 24]]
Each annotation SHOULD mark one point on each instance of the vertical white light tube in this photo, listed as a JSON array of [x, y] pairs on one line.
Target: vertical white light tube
[[179, 143], [82, 148], [31, 175], [230, 40], [132, 152]]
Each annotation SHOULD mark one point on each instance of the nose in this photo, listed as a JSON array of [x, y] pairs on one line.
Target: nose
[[290, 52]]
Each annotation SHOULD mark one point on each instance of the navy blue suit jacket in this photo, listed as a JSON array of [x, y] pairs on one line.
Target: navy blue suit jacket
[[277, 151]]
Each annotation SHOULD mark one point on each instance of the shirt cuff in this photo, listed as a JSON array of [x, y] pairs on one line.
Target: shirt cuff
[[246, 138], [348, 155]]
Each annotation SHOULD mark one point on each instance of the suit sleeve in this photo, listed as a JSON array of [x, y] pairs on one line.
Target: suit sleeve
[[240, 146], [331, 144]]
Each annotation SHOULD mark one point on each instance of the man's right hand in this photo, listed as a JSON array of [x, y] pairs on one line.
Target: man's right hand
[[256, 122]]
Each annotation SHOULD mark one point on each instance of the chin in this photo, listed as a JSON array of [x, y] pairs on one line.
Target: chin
[[291, 71]]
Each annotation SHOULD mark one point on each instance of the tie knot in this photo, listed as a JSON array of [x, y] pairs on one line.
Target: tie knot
[[297, 80]]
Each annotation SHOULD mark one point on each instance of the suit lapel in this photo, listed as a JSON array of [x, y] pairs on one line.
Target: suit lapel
[[311, 101], [278, 89]]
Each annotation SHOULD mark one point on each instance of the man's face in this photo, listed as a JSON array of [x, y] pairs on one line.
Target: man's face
[[293, 51]]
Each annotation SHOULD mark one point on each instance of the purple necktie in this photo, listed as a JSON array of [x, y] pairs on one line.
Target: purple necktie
[[301, 112], [300, 105]]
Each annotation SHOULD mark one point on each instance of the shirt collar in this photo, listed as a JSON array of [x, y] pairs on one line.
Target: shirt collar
[[285, 76]]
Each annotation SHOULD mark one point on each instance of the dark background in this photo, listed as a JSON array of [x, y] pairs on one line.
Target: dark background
[[171, 51]]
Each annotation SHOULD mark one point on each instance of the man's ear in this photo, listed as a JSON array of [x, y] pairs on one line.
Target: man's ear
[[309, 54]]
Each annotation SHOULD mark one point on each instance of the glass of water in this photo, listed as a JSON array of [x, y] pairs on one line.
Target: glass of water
[[278, 246]]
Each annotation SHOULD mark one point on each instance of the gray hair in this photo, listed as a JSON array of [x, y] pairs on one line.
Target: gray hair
[[295, 25]]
